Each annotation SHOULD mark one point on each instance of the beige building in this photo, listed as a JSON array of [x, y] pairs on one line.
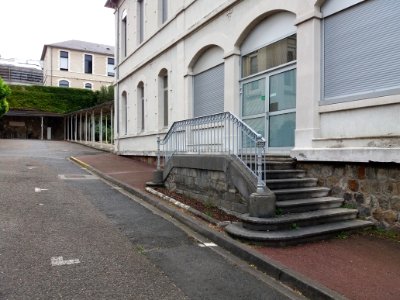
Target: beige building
[[78, 64]]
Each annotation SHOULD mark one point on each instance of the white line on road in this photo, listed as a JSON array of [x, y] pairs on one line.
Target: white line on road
[[207, 245], [38, 190], [59, 261]]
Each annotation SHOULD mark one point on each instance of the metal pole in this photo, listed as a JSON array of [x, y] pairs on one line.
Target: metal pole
[[260, 144]]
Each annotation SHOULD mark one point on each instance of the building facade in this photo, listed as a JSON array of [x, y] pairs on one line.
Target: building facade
[[22, 73], [78, 64], [299, 72]]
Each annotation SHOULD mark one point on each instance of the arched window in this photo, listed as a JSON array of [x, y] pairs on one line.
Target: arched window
[[124, 33], [63, 83], [163, 97], [208, 82], [88, 86], [140, 106]]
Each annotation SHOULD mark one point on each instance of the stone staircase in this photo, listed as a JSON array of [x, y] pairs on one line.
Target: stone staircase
[[304, 211]]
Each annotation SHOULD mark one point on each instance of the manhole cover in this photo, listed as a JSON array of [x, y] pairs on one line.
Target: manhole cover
[[76, 177]]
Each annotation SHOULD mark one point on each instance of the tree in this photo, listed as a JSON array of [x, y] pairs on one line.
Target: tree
[[4, 93], [105, 94]]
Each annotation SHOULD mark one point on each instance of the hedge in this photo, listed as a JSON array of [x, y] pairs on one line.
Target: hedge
[[50, 99]]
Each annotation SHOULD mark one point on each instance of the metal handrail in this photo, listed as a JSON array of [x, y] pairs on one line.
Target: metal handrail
[[221, 133]]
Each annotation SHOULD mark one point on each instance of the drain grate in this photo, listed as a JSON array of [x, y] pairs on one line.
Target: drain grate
[[76, 177]]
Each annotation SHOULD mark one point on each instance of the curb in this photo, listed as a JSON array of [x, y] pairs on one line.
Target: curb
[[293, 279]]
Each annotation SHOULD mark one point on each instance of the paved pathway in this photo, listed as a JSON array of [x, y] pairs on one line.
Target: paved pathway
[[357, 267], [67, 234]]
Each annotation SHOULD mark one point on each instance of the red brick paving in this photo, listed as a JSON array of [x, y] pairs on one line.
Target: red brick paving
[[359, 267]]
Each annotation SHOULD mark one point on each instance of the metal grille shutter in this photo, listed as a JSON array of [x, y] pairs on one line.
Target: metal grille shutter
[[209, 92], [361, 50]]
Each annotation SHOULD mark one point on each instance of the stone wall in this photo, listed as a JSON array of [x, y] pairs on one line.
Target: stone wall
[[373, 188], [208, 186]]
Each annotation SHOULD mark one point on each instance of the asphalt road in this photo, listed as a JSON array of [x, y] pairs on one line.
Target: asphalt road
[[66, 234]]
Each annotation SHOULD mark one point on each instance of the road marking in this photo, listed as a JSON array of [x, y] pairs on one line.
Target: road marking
[[207, 245], [31, 168], [77, 177], [59, 261], [41, 204], [38, 190]]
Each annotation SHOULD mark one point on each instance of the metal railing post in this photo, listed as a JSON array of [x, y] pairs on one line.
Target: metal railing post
[[260, 144]]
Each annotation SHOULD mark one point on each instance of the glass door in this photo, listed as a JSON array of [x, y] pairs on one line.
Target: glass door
[[273, 116]]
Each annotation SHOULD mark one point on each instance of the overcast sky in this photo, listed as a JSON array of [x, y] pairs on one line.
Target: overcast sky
[[26, 25]]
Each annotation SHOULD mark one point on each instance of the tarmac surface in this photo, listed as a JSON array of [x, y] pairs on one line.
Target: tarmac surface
[[357, 267], [66, 233]]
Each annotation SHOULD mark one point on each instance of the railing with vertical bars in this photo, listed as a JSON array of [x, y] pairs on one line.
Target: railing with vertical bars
[[221, 133]]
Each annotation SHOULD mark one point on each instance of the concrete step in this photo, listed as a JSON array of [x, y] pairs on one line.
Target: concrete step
[[271, 165], [290, 183], [296, 235], [301, 193], [308, 204], [303, 219], [281, 174]]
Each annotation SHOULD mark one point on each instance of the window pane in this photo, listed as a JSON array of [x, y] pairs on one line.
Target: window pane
[[88, 86], [110, 66], [281, 130], [63, 83], [282, 91], [253, 98], [270, 56], [88, 64], [64, 60], [258, 125]]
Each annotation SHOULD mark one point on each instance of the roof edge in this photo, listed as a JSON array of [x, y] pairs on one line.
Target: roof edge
[[111, 3]]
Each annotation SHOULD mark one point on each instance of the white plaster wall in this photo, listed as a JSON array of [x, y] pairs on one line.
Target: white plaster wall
[[365, 122]]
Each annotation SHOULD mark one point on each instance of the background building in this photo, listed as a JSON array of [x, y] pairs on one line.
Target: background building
[[78, 64], [22, 73]]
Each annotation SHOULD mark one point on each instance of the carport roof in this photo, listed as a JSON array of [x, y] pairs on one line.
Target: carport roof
[[31, 113]]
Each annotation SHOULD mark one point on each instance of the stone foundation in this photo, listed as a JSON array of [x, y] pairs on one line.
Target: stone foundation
[[208, 186], [372, 188]]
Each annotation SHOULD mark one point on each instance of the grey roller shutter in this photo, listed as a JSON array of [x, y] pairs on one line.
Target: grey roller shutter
[[362, 51], [209, 92]]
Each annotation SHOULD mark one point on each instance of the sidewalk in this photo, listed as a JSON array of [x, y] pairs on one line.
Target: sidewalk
[[357, 267]]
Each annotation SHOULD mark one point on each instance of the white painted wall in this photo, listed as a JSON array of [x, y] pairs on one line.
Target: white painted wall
[[194, 26]]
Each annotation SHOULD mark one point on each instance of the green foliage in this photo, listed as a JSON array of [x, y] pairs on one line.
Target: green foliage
[[50, 99], [105, 94], [4, 93]]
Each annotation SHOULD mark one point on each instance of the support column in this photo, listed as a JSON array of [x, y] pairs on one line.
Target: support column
[[101, 126], [112, 126], [41, 128], [232, 86], [71, 128], [86, 127], [106, 129], [308, 92], [65, 129], [93, 128], [80, 127], [76, 127]]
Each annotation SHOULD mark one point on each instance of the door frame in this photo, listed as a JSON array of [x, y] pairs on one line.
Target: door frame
[[267, 114]]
